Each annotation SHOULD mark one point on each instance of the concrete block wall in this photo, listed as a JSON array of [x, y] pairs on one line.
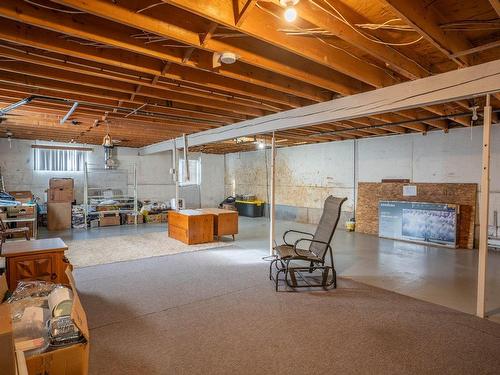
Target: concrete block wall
[[153, 178], [307, 174]]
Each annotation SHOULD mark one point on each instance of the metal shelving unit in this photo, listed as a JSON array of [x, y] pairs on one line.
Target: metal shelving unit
[[119, 198]]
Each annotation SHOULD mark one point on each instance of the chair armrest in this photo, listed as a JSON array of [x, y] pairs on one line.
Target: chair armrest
[[294, 231], [328, 246]]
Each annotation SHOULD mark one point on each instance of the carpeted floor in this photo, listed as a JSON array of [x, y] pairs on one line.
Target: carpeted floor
[[91, 252], [215, 312]]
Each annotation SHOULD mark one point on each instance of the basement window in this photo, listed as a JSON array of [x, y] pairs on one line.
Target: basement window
[[194, 172], [59, 160]]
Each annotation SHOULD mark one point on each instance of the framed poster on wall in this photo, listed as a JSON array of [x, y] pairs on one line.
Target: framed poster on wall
[[420, 222]]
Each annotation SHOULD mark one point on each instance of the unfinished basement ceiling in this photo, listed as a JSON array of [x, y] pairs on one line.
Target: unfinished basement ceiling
[[148, 71]]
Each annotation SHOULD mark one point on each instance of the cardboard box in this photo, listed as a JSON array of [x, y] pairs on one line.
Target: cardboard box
[[156, 218], [58, 215], [20, 211], [69, 360], [109, 219], [22, 196], [129, 219], [7, 358], [60, 195], [61, 183]]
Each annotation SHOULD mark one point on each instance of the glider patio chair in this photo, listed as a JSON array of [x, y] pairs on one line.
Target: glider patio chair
[[290, 258]]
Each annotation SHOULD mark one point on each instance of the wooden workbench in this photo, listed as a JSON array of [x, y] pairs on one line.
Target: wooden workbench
[[191, 226], [225, 221], [35, 260]]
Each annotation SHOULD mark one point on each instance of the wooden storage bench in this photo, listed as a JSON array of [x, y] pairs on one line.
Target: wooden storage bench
[[191, 226]]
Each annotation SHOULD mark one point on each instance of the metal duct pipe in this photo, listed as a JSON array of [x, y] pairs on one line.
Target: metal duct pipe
[[108, 155], [70, 112]]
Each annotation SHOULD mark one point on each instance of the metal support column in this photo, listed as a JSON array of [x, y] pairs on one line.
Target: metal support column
[[175, 167], [484, 213], [85, 193], [272, 196], [136, 206]]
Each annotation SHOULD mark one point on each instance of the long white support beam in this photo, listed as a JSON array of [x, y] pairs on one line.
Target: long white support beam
[[455, 85], [484, 205]]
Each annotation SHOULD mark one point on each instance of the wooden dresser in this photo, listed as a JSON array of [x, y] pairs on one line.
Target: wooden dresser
[[225, 221], [35, 260], [191, 226]]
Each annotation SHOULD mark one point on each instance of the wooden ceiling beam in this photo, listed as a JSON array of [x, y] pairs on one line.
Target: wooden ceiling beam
[[87, 28], [264, 27], [88, 114], [91, 86], [258, 83], [240, 15], [234, 105], [496, 5], [426, 21], [20, 92], [288, 64], [394, 59], [137, 81]]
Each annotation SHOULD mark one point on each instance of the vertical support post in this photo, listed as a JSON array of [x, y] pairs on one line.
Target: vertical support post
[[135, 195], [272, 197], [175, 167], [85, 194], [484, 212]]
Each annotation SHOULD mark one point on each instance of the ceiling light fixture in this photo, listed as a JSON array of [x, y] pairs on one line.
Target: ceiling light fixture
[[290, 11]]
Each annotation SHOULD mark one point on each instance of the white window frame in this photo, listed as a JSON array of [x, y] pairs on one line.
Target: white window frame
[[75, 160]]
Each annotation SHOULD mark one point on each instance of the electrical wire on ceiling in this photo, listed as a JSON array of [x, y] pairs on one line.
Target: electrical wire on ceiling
[[325, 42], [52, 8], [387, 25], [149, 7], [493, 24], [342, 19]]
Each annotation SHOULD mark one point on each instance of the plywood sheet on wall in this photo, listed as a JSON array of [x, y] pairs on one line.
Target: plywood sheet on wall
[[465, 195]]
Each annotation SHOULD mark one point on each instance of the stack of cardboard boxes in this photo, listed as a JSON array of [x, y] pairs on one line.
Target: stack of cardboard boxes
[[59, 198]]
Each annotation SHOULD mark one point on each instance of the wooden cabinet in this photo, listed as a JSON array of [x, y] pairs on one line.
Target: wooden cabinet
[[225, 221], [191, 226], [35, 260]]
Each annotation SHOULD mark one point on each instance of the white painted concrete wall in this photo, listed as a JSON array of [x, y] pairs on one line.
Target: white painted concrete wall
[[153, 178], [307, 174]]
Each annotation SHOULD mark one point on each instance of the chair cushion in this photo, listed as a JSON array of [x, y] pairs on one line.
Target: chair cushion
[[286, 252]]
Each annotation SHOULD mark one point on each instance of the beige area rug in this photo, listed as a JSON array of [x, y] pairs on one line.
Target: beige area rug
[[84, 253]]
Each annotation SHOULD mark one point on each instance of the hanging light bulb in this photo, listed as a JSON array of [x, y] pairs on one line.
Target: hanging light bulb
[[290, 12]]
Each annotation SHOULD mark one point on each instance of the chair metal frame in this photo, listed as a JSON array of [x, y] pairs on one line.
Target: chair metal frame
[[4, 231], [282, 265]]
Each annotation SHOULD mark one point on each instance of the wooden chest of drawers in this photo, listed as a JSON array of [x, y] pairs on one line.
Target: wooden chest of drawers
[[191, 226]]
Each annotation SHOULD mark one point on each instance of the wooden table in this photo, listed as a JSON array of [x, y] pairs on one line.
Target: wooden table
[[225, 221], [35, 260], [191, 226]]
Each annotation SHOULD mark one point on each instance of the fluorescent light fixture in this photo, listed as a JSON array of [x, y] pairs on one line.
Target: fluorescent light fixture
[[261, 145], [70, 112]]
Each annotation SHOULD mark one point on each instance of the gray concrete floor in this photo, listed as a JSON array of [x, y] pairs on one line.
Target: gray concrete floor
[[434, 274]]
